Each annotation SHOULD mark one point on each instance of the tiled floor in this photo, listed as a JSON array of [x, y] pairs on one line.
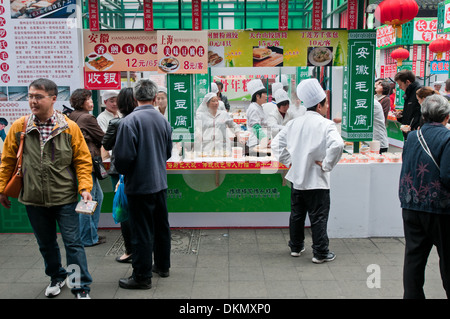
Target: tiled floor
[[227, 264]]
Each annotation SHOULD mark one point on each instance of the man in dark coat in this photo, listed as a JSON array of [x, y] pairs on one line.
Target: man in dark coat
[[143, 145], [411, 114]]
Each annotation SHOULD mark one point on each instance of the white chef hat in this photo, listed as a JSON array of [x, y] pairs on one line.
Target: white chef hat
[[254, 86], [283, 80], [214, 88], [281, 96], [109, 94], [310, 92], [276, 86], [162, 89], [203, 106]]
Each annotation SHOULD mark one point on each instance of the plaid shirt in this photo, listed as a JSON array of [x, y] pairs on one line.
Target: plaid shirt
[[46, 127]]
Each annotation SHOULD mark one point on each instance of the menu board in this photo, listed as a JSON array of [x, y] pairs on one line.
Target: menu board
[[38, 39], [273, 48]]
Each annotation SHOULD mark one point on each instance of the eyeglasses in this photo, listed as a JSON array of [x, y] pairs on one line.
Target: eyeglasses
[[37, 97]]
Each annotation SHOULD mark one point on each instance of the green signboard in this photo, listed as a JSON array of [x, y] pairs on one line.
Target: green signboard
[[181, 106], [358, 88]]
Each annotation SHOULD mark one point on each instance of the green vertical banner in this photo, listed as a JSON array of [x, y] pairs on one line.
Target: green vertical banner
[[181, 106], [302, 73], [399, 101], [201, 89], [358, 88]]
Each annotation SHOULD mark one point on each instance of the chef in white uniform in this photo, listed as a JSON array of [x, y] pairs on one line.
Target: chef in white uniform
[[311, 145], [256, 118], [215, 90], [272, 105], [280, 116], [211, 135]]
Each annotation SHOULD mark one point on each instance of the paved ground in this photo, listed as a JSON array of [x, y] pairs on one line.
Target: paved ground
[[227, 264]]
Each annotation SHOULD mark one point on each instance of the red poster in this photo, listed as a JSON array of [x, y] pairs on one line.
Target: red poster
[[196, 15], [94, 14], [102, 81], [283, 12], [317, 15], [414, 58], [352, 10], [148, 15]]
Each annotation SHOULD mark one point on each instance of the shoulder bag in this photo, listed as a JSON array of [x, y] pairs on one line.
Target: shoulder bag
[[425, 147], [15, 184]]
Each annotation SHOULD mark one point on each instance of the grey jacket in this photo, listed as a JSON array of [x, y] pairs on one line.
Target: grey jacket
[[143, 145]]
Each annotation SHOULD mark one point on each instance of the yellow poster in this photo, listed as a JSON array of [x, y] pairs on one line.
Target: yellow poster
[[273, 48]]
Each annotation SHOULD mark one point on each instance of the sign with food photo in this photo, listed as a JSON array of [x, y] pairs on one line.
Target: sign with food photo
[[275, 48], [119, 51], [183, 52]]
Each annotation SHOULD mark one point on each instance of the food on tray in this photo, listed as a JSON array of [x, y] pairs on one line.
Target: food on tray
[[214, 58], [261, 53], [321, 55], [169, 64], [101, 63]]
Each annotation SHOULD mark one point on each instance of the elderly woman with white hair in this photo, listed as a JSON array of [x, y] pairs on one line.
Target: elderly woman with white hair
[[424, 193], [212, 137]]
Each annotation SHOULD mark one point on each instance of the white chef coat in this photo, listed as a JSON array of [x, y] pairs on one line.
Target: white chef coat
[[104, 118], [296, 110], [277, 122], [269, 107], [256, 115], [303, 141], [379, 125], [211, 132]]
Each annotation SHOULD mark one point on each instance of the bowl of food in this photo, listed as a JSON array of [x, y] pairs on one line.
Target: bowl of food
[[320, 56], [169, 64]]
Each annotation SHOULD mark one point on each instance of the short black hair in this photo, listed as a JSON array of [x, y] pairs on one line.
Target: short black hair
[[45, 84], [260, 92]]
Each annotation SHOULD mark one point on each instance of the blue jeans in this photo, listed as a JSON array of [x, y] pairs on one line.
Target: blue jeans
[[43, 221], [89, 223]]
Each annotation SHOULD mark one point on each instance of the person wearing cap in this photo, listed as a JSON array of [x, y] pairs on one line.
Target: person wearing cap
[[215, 90], [438, 86], [256, 118], [211, 125], [111, 111], [161, 101], [310, 146], [279, 117], [271, 106]]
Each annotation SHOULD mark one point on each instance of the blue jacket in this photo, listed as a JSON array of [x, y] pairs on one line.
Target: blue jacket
[[143, 145], [422, 186]]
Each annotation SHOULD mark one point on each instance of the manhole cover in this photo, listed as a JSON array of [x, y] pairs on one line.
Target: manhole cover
[[184, 242]]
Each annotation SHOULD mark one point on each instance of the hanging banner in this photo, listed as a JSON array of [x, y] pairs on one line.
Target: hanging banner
[[273, 48], [439, 67], [196, 15], [446, 24], [183, 52], [386, 37], [181, 106], [358, 88], [94, 15], [148, 15], [102, 81], [36, 42], [317, 15], [352, 14], [119, 51], [283, 15]]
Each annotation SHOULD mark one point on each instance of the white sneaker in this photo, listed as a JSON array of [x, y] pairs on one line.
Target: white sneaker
[[297, 253], [54, 288], [319, 260]]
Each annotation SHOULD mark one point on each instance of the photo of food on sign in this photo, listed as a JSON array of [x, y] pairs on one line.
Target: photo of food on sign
[[169, 64], [97, 62], [267, 56], [320, 56], [30, 9], [216, 58]]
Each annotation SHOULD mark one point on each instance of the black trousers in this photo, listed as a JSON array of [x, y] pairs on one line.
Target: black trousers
[[315, 203], [422, 231], [150, 233]]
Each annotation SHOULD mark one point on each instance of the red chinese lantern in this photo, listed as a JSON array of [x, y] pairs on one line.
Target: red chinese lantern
[[396, 13], [439, 46], [400, 54]]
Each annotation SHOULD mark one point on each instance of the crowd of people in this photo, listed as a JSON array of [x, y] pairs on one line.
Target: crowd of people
[[134, 133]]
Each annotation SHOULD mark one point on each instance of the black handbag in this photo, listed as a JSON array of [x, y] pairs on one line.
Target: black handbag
[[99, 170]]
